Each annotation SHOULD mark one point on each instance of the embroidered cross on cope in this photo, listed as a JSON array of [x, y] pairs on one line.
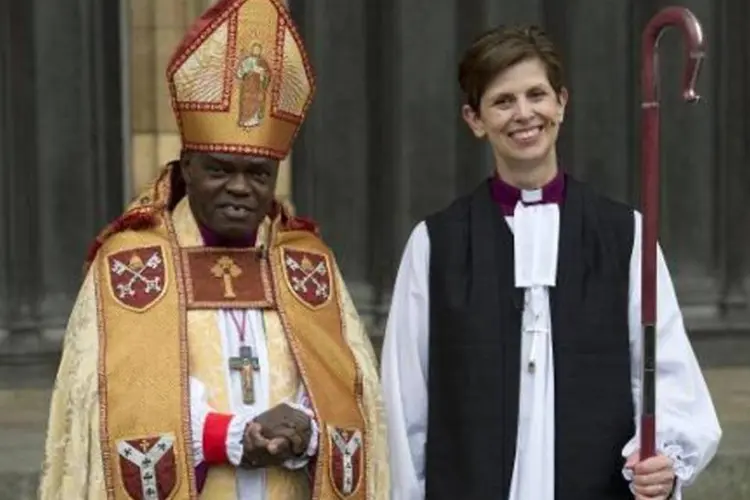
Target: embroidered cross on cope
[[227, 278], [246, 363], [226, 270]]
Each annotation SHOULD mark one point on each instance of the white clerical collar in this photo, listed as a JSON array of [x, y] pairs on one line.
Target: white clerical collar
[[531, 195]]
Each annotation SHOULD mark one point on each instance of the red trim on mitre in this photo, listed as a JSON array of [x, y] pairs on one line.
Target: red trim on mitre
[[215, 432], [244, 149]]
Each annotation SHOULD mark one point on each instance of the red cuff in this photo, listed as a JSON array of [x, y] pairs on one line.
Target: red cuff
[[215, 438]]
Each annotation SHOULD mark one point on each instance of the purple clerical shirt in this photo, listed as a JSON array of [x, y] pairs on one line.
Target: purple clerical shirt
[[211, 239], [507, 196]]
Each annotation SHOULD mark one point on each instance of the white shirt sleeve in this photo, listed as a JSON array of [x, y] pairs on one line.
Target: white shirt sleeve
[[404, 368], [235, 436], [687, 429], [199, 410]]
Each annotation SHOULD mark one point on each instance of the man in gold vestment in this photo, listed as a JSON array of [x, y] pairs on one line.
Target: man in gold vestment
[[214, 351]]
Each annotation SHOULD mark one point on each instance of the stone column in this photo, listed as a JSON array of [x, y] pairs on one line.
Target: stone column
[[19, 268], [690, 169], [330, 181], [60, 131], [596, 144], [728, 48], [156, 28]]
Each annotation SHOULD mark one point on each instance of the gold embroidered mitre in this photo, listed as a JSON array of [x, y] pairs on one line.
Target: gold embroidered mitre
[[241, 81]]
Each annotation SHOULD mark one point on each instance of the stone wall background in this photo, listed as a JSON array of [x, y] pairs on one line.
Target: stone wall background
[[85, 121]]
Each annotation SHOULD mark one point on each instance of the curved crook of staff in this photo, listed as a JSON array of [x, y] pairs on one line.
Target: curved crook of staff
[[692, 32]]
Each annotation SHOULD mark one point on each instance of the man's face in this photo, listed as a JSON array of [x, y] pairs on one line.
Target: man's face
[[229, 194]]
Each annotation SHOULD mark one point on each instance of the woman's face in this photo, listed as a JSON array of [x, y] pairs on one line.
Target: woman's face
[[519, 113]]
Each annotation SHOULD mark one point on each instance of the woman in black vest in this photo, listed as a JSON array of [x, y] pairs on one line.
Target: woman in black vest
[[511, 363]]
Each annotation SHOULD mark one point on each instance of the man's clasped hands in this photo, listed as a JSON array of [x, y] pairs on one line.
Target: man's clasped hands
[[275, 436]]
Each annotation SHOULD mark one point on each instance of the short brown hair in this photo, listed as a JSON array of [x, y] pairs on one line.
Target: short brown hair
[[500, 48]]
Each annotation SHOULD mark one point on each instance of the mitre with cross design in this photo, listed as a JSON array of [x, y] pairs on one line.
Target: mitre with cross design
[[241, 81]]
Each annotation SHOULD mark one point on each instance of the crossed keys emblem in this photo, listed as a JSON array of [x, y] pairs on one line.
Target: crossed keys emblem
[[137, 276], [308, 276]]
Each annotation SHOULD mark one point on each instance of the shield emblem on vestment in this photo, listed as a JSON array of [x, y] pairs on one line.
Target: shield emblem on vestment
[[347, 459], [148, 467], [308, 276], [137, 277]]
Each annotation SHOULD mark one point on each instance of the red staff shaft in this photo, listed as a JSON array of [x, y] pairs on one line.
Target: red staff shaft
[[692, 33]]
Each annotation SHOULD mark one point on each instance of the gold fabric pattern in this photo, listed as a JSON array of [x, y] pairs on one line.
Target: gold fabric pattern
[[185, 228], [204, 335], [257, 21], [142, 397], [201, 77], [294, 83], [378, 471], [285, 380], [323, 357], [282, 484], [73, 431]]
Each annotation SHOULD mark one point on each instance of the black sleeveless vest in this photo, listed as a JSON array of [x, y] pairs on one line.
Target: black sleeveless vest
[[475, 349]]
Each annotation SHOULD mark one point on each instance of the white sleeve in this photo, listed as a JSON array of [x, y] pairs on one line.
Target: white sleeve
[[199, 411], [687, 429], [404, 369]]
